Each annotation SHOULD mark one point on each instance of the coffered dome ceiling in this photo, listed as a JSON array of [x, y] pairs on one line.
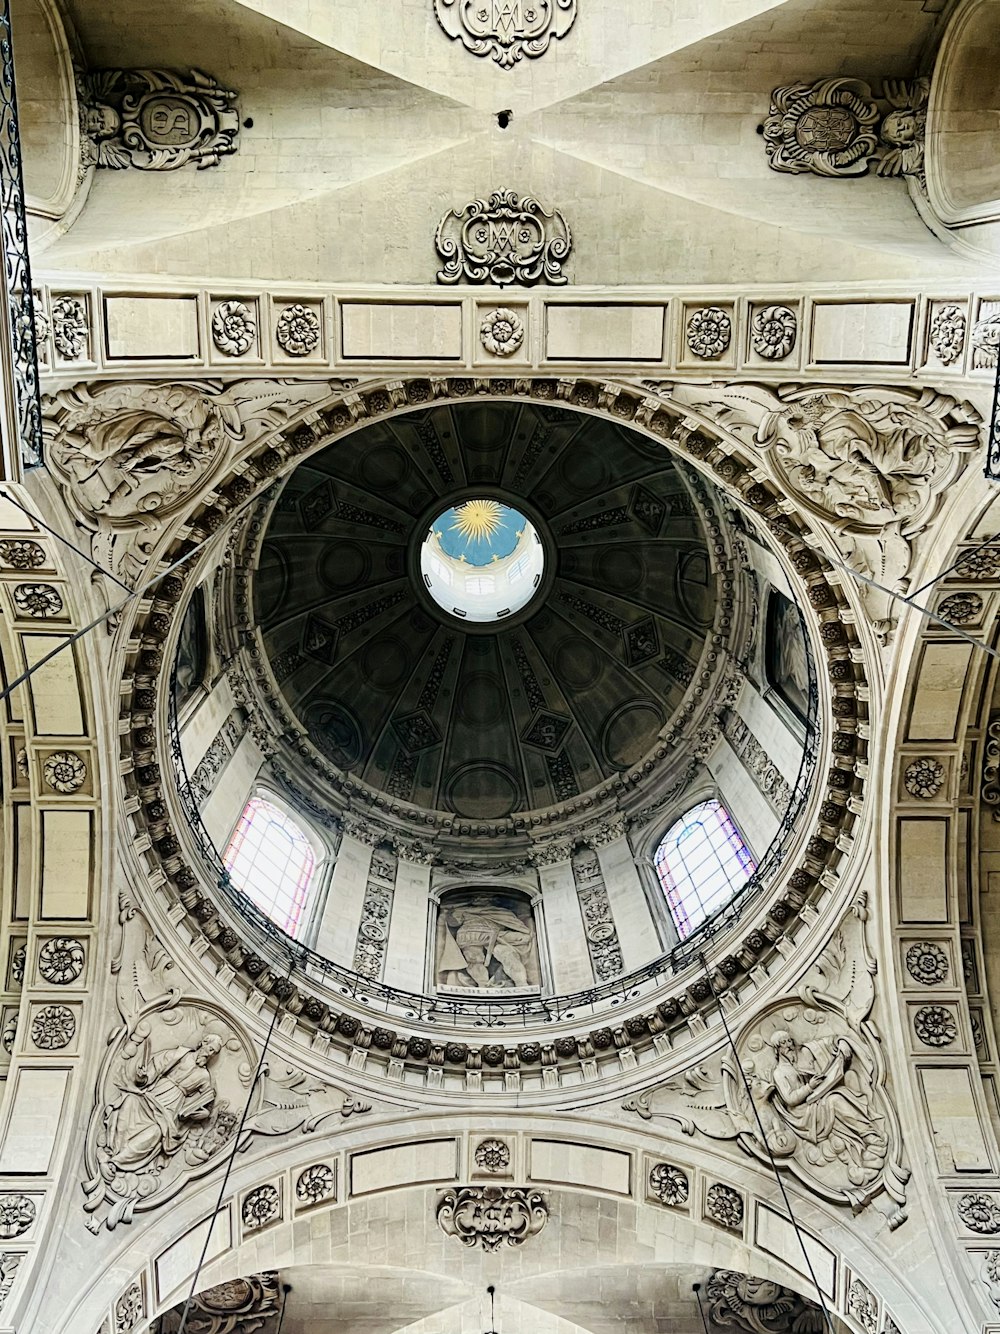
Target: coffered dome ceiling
[[485, 720]]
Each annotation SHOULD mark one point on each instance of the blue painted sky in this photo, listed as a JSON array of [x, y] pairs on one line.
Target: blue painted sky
[[480, 551]]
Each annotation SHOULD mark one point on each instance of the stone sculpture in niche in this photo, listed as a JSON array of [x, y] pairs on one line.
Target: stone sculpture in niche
[[503, 240], [487, 940], [506, 29], [491, 1216], [749, 1305], [837, 127], [172, 1086], [156, 120], [817, 1080]]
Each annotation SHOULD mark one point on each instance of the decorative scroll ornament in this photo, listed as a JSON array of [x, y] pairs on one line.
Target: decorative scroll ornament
[[817, 1077], [239, 1306], [837, 127], [53, 1027], [773, 330], [724, 1206], [37, 600], [316, 1183], [506, 29], [156, 120], [750, 1305], [491, 1216], [709, 332], [169, 1090], [233, 328], [668, 1183], [261, 1206], [504, 240]]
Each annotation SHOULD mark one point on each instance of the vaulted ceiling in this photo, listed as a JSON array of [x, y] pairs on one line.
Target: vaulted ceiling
[[409, 699]]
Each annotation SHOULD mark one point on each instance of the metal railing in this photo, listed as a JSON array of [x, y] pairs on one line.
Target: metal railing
[[23, 409], [266, 935]]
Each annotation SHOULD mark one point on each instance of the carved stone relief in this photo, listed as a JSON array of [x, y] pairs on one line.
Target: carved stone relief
[[234, 328], [837, 127], [130, 1309], [935, 1026], [492, 1155], [316, 1183], [873, 463], [376, 909], [70, 327], [773, 330], [486, 939], [298, 330], [37, 600], [156, 120], [492, 1216], [709, 332], [501, 332], [990, 789], [598, 922], [21, 553], [503, 240], [64, 771], [240, 1306], [9, 1261], [768, 778], [750, 1305], [724, 1206], [927, 963], [17, 1213], [946, 337], [980, 1213], [172, 1084], [260, 1207], [668, 1184], [862, 1305], [817, 1077], [506, 29], [986, 336], [53, 1027], [128, 455], [924, 777]]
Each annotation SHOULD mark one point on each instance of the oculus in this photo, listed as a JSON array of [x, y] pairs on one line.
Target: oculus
[[482, 561], [506, 29]]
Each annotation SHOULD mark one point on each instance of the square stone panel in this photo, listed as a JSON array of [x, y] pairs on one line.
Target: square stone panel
[[546, 730], [416, 731]]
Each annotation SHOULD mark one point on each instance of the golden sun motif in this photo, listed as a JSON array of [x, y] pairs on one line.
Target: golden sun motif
[[478, 520]]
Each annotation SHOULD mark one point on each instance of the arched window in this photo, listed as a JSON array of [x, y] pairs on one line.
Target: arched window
[[270, 859], [701, 862]]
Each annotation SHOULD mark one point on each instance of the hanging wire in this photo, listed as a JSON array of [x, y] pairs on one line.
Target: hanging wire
[[131, 594], [763, 1138], [64, 540], [285, 1290], [696, 1289], [493, 1319], [232, 1155]]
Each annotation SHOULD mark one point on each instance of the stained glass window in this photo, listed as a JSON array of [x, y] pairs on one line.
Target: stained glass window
[[701, 862], [270, 859]]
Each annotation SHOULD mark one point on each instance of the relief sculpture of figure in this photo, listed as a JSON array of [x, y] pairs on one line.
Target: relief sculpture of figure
[[485, 944], [170, 1094], [810, 1100]]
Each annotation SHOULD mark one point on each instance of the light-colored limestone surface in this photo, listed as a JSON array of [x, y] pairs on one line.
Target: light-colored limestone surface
[[798, 1110]]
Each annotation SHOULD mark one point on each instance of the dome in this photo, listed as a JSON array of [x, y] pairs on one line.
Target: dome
[[504, 667]]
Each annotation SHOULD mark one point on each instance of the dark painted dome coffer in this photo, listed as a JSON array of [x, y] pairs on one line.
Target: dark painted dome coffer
[[486, 609]]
